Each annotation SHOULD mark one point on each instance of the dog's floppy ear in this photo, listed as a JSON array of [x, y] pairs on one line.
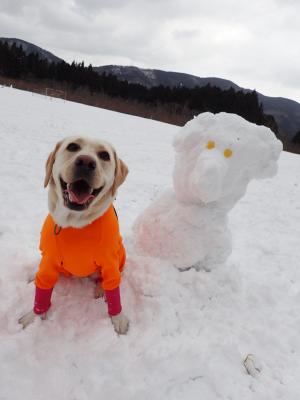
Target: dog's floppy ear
[[121, 172], [49, 164]]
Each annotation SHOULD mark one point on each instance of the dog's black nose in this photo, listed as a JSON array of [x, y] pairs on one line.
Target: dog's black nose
[[85, 162]]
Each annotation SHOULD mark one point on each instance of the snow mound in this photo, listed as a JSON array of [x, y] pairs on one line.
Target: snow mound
[[216, 157]]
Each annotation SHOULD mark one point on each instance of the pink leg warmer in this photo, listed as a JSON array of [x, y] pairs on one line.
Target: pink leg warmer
[[42, 301], [113, 299]]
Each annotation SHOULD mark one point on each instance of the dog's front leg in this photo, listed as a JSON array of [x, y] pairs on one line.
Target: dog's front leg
[[42, 303], [118, 319]]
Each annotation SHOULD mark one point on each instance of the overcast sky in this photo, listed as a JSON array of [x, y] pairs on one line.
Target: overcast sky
[[254, 43]]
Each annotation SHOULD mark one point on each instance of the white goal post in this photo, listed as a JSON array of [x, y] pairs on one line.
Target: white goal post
[[56, 93]]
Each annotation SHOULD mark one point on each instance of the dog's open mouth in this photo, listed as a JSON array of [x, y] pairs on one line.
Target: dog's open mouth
[[78, 195]]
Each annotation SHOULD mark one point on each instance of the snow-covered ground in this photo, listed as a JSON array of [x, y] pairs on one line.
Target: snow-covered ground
[[190, 331]]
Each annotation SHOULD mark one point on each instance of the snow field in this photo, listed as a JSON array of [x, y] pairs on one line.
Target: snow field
[[189, 331]]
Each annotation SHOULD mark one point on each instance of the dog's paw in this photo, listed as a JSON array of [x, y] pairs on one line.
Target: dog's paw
[[29, 317], [120, 323]]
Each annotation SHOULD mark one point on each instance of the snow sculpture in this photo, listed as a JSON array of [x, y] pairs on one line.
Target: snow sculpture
[[216, 157]]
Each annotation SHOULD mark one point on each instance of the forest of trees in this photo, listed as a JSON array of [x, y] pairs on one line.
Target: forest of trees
[[296, 138], [14, 63]]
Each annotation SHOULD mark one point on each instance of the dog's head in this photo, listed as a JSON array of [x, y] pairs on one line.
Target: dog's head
[[83, 175], [218, 154]]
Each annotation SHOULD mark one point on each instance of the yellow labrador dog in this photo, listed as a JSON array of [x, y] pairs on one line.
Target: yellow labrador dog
[[80, 236]]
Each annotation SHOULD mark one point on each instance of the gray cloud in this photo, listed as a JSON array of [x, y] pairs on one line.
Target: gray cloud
[[255, 43]]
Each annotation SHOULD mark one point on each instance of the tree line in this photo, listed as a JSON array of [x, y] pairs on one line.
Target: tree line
[[15, 63]]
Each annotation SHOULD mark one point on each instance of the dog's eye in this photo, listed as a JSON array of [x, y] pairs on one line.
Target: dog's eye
[[104, 155], [73, 147]]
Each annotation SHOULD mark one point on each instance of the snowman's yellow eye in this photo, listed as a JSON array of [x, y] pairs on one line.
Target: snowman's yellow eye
[[227, 153], [210, 145]]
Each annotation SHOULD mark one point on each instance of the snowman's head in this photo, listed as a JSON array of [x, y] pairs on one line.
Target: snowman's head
[[218, 154]]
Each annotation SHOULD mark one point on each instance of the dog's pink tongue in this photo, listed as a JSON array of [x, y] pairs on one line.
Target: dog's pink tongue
[[79, 198]]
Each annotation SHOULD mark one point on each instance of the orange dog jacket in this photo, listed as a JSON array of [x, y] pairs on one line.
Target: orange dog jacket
[[80, 252]]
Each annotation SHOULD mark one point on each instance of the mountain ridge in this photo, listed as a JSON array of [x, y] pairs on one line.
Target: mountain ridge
[[156, 77], [285, 111], [32, 48]]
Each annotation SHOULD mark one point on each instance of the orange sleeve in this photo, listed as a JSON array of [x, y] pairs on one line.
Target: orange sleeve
[[48, 273], [110, 272], [111, 257]]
